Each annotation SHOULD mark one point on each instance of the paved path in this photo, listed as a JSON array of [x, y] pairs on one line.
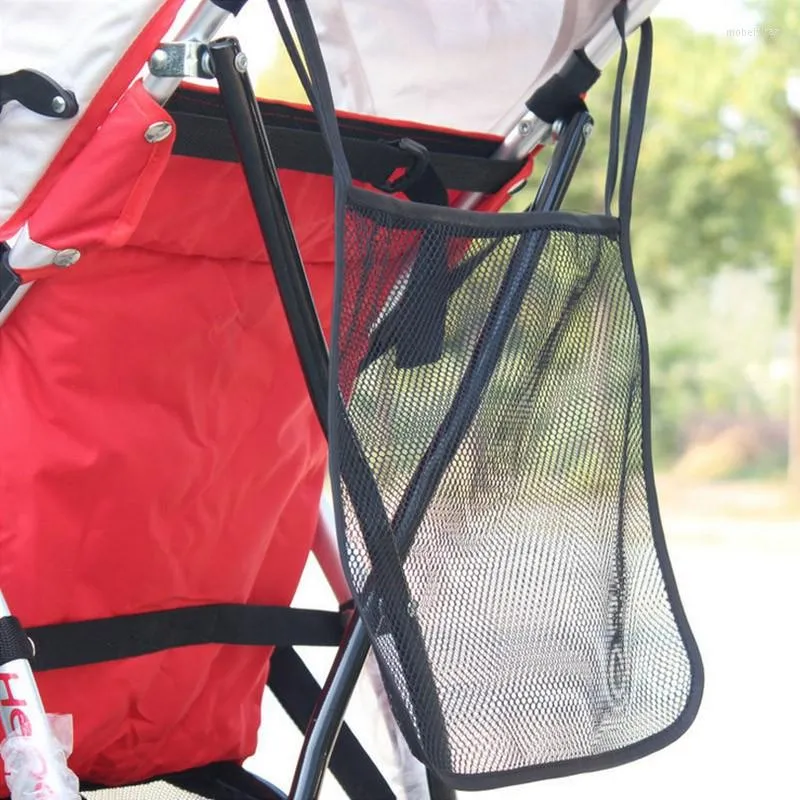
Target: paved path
[[739, 576]]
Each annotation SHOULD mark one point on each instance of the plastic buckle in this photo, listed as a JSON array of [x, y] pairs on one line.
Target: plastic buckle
[[9, 280], [421, 163], [38, 93]]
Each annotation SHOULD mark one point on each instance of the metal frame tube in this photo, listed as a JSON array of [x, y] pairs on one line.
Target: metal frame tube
[[205, 22], [530, 132], [258, 164]]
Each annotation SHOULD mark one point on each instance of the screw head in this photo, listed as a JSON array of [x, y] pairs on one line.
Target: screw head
[[524, 127], [240, 62], [158, 131], [587, 129], [59, 104], [66, 258]]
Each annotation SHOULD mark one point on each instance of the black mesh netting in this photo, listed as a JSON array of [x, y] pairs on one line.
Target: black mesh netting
[[518, 605], [158, 790]]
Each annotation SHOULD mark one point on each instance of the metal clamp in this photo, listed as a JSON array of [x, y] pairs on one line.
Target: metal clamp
[[188, 59]]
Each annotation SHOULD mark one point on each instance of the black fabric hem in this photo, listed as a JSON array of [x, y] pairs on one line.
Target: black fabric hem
[[477, 224]]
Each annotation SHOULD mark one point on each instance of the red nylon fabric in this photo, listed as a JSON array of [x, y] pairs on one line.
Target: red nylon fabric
[[157, 445], [159, 451]]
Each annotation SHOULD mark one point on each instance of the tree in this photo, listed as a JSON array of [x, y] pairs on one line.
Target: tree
[[778, 52], [710, 197]]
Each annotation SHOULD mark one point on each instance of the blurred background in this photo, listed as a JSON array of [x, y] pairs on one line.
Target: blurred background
[[717, 251]]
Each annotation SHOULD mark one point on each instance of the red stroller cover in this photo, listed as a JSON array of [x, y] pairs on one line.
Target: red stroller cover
[[164, 452]]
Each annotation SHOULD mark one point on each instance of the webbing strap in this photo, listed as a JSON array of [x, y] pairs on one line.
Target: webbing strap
[[636, 119], [14, 644], [374, 162], [74, 644], [297, 691]]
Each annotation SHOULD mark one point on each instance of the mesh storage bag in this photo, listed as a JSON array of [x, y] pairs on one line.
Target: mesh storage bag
[[492, 476]]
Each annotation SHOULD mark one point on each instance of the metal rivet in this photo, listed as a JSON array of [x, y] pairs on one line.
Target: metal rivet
[[524, 128], [240, 62], [587, 130], [59, 104], [157, 132], [159, 59], [66, 258]]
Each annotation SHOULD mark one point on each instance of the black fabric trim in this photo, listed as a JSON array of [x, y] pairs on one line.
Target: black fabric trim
[[297, 691], [231, 6], [9, 280], [476, 224], [76, 644], [371, 161], [197, 102], [14, 643], [223, 780]]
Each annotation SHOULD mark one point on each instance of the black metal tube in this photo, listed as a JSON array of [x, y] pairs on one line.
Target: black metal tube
[[267, 197], [247, 127], [567, 154], [501, 318], [327, 720]]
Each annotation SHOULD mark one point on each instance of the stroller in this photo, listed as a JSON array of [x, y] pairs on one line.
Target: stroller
[[180, 256]]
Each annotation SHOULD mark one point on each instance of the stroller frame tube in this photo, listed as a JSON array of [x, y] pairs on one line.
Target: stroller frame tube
[[527, 133], [230, 68], [258, 164], [241, 105]]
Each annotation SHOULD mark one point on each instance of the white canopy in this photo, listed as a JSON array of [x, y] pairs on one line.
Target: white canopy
[[465, 64]]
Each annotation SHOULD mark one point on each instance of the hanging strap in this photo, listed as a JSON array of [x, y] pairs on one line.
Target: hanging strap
[[420, 182], [74, 644], [636, 120], [314, 79]]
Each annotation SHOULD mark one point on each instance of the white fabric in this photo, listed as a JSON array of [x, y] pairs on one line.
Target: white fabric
[[76, 42], [25, 253], [466, 64]]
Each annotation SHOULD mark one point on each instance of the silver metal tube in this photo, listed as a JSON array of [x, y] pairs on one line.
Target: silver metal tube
[[205, 22], [528, 132], [36, 764]]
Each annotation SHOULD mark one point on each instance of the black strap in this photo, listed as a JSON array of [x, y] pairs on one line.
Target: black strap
[[297, 691], [420, 182], [638, 113], [319, 89], [14, 643], [74, 644], [208, 137], [638, 105]]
